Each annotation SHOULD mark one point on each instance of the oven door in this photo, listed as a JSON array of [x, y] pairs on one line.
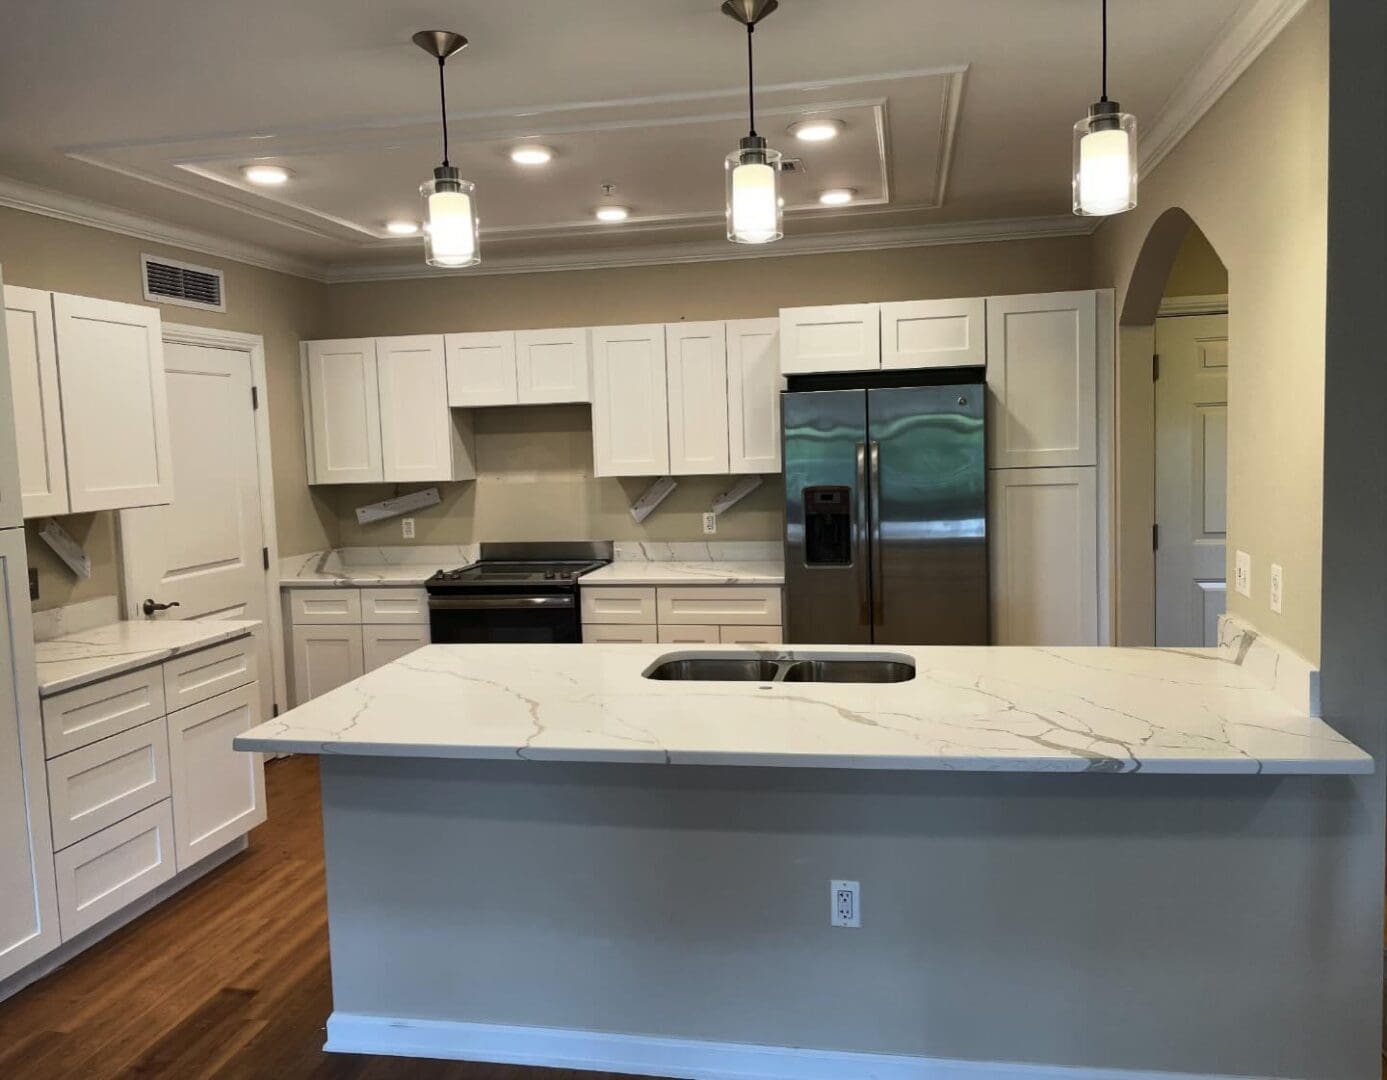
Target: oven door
[[470, 619]]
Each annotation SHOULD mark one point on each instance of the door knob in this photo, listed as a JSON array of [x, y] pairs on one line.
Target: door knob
[[149, 607]]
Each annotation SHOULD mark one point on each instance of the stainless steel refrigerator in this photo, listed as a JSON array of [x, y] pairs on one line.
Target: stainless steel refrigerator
[[886, 514]]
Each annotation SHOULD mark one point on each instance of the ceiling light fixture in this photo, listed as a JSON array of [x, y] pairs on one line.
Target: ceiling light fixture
[[754, 207], [450, 205], [816, 130], [532, 155], [839, 196], [1105, 152], [402, 228], [609, 211], [266, 175]]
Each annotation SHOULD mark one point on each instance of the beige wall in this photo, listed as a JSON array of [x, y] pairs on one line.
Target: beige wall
[[1198, 271], [1253, 175], [44, 253]]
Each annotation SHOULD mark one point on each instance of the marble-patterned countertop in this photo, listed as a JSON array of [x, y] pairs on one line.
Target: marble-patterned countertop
[[400, 566], [635, 572], [88, 655], [975, 708]]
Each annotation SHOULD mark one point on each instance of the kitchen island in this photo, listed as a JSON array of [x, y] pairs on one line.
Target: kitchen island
[[511, 880]]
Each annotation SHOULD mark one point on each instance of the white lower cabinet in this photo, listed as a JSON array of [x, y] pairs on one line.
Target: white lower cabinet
[[620, 633], [101, 874], [687, 635], [750, 635], [337, 635], [98, 785], [382, 644], [325, 657], [682, 614]]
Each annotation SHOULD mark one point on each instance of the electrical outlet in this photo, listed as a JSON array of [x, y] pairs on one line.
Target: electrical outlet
[[710, 522], [1242, 573], [407, 528], [1276, 588], [845, 903]]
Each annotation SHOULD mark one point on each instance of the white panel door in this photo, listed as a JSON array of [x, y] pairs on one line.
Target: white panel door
[[38, 414], [934, 333], [1042, 373], [344, 411], [115, 411], [630, 408], [753, 396], [840, 337], [1044, 556], [28, 893], [481, 369], [325, 657], [1191, 478], [696, 366], [416, 429], [382, 644], [553, 366]]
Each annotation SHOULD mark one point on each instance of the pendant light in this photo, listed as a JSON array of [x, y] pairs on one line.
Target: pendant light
[[450, 204], [1105, 153], [754, 211]]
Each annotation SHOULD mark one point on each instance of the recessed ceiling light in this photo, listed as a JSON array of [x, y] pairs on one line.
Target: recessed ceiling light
[[816, 130], [613, 213], [402, 228], [266, 175], [532, 155], [836, 196]]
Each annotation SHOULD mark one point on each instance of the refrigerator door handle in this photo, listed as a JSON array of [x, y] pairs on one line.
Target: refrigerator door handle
[[878, 578], [859, 530]]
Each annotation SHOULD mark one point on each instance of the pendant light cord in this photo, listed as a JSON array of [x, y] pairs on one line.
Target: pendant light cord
[[443, 108], [750, 79], [1105, 51]]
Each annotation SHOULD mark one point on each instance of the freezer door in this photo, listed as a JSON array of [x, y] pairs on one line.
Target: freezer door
[[827, 579], [927, 477]]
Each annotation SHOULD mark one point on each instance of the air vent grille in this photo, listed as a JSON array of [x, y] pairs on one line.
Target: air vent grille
[[170, 282]]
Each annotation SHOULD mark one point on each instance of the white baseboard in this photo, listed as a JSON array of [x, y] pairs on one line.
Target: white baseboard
[[687, 1059]]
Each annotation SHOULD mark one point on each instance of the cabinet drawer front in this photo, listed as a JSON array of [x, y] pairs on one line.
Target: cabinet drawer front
[[101, 874], [720, 604], [394, 606], [619, 634], [687, 635], [208, 672], [324, 606], [80, 716], [98, 785], [618, 605], [750, 635]]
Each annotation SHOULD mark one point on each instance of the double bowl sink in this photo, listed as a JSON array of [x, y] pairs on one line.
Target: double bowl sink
[[792, 667]]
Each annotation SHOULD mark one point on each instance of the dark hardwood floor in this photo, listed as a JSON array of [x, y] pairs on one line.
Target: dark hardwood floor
[[227, 979]]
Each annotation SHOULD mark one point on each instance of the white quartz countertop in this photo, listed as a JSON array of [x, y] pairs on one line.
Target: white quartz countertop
[[80, 658], [982, 709], [370, 566], [636, 572]]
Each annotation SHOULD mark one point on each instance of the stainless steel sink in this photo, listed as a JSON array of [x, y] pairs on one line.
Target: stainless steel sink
[[795, 667], [716, 669], [850, 671]]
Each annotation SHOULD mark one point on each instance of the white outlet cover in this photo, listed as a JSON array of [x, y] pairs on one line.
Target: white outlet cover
[[1242, 573], [407, 528], [1276, 588], [845, 903], [710, 522]]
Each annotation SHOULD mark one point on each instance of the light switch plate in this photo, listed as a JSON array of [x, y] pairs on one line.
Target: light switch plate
[[1276, 588], [1242, 573]]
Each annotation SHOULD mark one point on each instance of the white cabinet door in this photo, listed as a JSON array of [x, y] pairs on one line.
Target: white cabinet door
[[753, 396], [417, 435], [1044, 554], [553, 366], [630, 410], [605, 634], [382, 644], [481, 369], [108, 870], [675, 634], [934, 333], [1042, 372], [28, 894], [325, 657], [11, 505], [38, 415], [115, 410], [218, 792], [696, 366], [343, 412], [841, 337]]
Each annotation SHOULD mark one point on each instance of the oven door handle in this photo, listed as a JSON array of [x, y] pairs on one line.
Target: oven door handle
[[497, 603]]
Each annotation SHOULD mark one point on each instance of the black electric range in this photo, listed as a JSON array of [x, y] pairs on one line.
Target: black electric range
[[514, 593]]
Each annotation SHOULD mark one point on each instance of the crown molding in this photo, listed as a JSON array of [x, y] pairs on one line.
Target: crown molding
[[1246, 34], [1212, 304]]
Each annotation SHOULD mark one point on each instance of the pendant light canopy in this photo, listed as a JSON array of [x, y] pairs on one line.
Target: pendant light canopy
[[450, 205], [754, 211], [1105, 152]]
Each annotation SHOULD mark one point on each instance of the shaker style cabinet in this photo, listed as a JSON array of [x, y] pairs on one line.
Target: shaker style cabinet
[[840, 337], [519, 367], [343, 406], [630, 404], [481, 369], [934, 333], [753, 395], [339, 634], [696, 370]]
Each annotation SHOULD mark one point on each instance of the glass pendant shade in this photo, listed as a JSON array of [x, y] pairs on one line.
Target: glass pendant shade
[[755, 214], [450, 220], [1105, 161]]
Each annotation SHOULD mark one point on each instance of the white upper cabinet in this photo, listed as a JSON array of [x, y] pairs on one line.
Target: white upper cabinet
[[421, 441], [1042, 371], [696, 359], [38, 414], [841, 337], [343, 405], [630, 417], [481, 369], [553, 366], [753, 395], [11, 504], [934, 333]]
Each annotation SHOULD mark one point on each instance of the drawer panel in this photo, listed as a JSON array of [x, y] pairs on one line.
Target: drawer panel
[[719, 604], [395, 606], [619, 634], [98, 785], [330, 606], [101, 874], [82, 715], [694, 634], [208, 672], [618, 604], [751, 635]]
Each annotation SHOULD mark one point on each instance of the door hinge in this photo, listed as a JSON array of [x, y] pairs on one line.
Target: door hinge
[[265, 557], [255, 397], [1155, 538]]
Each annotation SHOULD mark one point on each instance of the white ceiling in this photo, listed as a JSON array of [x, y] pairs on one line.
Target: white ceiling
[[954, 112]]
